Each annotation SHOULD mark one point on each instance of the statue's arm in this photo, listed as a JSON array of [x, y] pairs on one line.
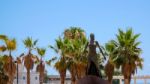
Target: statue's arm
[[100, 49]]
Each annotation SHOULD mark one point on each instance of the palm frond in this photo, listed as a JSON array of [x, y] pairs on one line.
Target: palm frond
[[2, 48], [11, 44], [51, 60], [29, 43], [41, 51], [53, 48], [3, 37]]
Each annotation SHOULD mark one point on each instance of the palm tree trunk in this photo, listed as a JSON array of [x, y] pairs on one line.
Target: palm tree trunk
[[62, 77], [11, 68], [127, 73], [80, 70], [40, 78], [73, 79], [28, 76], [126, 81], [41, 72], [10, 80], [110, 80], [78, 74]]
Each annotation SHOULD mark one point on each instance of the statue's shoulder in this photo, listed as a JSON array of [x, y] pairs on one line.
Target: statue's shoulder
[[96, 42]]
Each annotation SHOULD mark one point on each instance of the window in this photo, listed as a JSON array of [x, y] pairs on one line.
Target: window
[[36, 78], [24, 78]]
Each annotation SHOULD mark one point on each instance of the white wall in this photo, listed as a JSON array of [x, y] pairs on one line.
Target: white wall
[[22, 78]]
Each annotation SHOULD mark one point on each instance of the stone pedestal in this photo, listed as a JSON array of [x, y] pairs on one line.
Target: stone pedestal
[[92, 80]]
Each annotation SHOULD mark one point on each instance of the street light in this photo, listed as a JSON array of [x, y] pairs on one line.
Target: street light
[[18, 61]]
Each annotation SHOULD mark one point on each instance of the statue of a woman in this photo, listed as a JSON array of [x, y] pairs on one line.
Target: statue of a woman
[[92, 67]]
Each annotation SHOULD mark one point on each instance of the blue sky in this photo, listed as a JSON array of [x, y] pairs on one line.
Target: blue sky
[[46, 20]]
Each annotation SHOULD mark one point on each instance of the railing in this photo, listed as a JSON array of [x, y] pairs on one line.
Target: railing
[[120, 78], [145, 78]]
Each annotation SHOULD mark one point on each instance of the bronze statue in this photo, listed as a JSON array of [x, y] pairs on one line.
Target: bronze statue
[[92, 66]]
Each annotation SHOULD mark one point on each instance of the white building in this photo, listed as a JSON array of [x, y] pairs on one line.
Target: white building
[[22, 76]]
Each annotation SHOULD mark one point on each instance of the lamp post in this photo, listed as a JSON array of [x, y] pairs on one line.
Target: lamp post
[[17, 71], [18, 61]]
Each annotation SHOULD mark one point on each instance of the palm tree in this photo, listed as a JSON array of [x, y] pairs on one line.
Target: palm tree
[[3, 76], [74, 32], [75, 46], [110, 66], [61, 64], [128, 53], [67, 48], [9, 65], [3, 80], [41, 66], [71, 47], [28, 59], [76, 59]]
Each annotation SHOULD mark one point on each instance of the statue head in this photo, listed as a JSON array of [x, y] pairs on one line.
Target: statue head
[[92, 38]]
